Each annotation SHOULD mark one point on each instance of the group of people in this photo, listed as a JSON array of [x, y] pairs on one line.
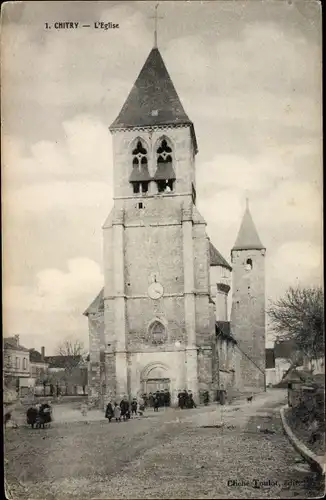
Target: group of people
[[186, 399], [123, 411], [157, 399], [39, 415]]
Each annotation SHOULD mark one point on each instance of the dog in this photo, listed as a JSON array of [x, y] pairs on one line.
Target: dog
[[250, 399]]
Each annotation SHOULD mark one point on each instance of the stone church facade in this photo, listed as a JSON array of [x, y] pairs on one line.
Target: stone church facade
[[161, 319]]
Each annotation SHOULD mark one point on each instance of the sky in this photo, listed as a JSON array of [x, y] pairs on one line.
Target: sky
[[248, 74]]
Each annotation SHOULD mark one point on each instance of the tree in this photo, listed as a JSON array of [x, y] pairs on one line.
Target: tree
[[71, 348], [299, 316], [73, 352]]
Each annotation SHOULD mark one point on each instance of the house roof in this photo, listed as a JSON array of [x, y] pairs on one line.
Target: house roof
[[62, 361], [223, 329], [153, 100], [35, 356], [216, 259], [11, 343], [248, 238], [270, 358], [286, 349]]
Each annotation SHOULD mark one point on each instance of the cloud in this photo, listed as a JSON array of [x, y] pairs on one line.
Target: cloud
[[55, 290], [83, 151], [259, 73], [297, 263]]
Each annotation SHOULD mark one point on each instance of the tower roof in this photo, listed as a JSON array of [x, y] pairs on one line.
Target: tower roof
[[248, 238], [153, 100]]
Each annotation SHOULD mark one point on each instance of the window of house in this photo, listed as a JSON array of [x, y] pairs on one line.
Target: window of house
[[17, 363], [158, 333], [164, 175], [24, 364], [139, 177]]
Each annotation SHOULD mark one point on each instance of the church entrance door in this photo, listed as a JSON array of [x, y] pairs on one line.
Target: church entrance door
[[156, 384], [155, 379]]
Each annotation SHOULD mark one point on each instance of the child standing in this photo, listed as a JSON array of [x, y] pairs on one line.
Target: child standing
[[117, 413]]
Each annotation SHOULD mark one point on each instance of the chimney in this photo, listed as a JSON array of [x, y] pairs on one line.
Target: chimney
[[17, 340], [43, 352]]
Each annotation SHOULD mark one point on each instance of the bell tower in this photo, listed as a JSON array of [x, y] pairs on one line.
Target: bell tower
[[248, 304], [156, 291]]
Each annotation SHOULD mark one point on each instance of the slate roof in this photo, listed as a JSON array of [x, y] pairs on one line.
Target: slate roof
[[62, 361], [11, 343], [97, 305], [223, 329], [35, 356], [216, 259], [248, 238], [153, 100]]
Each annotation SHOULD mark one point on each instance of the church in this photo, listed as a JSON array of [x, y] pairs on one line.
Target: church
[[161, 319]]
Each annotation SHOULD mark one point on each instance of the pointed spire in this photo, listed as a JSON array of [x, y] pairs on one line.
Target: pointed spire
[[248, 238], [153, 100]]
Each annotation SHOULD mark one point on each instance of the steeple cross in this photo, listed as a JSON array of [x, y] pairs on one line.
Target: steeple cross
[[247, 203], [155, 17]]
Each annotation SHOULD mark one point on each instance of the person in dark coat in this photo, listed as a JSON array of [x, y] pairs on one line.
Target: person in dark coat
[[151, 399], [181, 400], [186, 398], [134, 407], [166, 398], [44, 415], [125, 412], [206, 398], [145, 398], [162, 398], [191, 402], [31, 416], [156, 403], [222, 395], [109, 412], [158, 397]]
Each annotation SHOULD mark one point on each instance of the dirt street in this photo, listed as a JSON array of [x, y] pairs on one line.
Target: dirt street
[[208, 452]]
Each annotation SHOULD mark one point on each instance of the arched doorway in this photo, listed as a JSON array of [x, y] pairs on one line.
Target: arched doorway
[[155, 378]]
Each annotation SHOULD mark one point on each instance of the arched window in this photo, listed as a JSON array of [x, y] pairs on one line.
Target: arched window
[[164, 175], [139, 177], [157, 333], [249, 265]]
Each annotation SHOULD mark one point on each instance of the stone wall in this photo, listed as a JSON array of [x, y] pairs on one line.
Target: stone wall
[[96, 347], [248, 315]]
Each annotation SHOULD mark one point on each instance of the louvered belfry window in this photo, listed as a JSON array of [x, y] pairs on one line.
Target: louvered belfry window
[[139, 176], [164, 175]]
